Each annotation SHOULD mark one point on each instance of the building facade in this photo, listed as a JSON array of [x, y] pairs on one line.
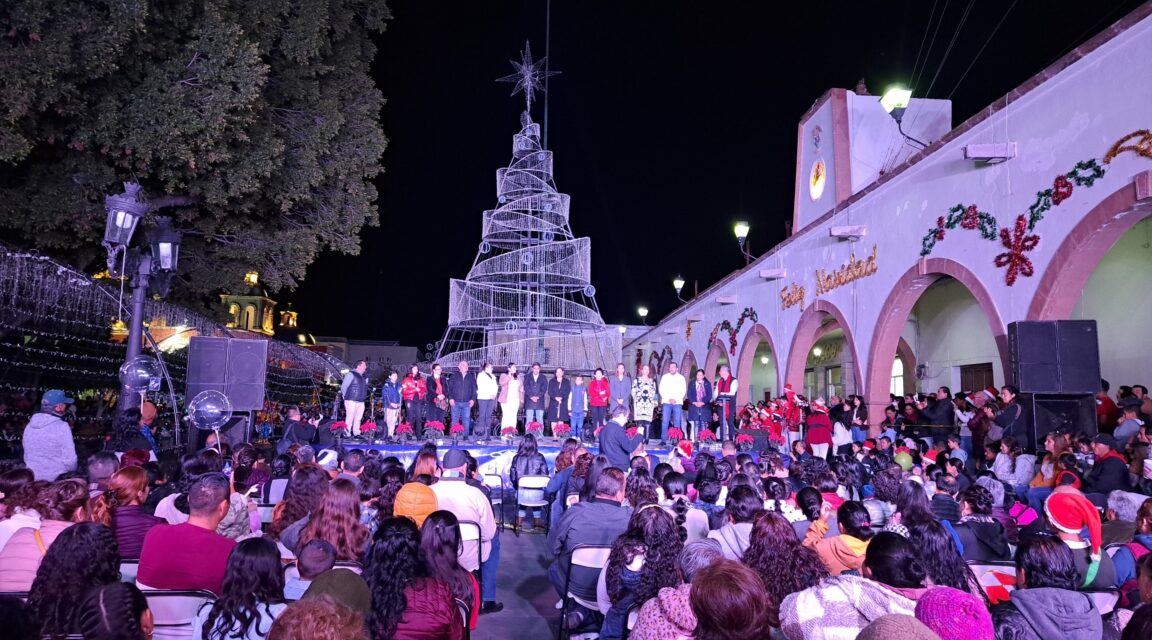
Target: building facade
[[906, 265]]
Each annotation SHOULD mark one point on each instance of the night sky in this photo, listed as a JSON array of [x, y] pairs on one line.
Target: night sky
[[669, 122]]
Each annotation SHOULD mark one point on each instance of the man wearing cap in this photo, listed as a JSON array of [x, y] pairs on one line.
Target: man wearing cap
[[469, 504], [48, 447], [1068, 514], [1110, 470]]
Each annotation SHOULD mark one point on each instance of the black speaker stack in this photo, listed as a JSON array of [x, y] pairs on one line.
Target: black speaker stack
[[1056, 365], [233, 366]]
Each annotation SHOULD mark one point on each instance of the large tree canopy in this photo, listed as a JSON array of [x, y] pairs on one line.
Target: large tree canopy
[[255, 121]]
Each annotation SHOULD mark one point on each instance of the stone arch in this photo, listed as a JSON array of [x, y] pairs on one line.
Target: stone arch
[[716, 352], [744, 364], [688, 365], [808, 327], [1082, 249], [895, 310], [908, 357]]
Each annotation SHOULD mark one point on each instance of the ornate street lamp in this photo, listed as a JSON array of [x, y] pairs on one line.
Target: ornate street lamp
[[741, 230], [678, 285], [643, 313]]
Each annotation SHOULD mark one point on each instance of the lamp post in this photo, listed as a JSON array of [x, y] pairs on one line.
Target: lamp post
[[895, 101], [678, 285], [643, 313], [124, 213], [741, 230]]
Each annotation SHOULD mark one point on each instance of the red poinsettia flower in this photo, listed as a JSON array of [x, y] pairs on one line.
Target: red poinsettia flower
[[631, 431], [404, 427], [706, 435], [434, 425], [675, 434], [744, 438], [368, 426], [508, 431], [534, 427], [561, 429], [457, 428], [338, 425]]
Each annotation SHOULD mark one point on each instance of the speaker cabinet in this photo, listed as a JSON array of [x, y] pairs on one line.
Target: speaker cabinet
[[231, 366], [1070, 413], [759, 438], [1055, 358]]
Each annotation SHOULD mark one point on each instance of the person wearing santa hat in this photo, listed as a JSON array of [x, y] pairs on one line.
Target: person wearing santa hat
[[819, 430], [1069, 513]]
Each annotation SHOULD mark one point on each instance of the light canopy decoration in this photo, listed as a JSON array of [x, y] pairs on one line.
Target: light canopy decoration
[[528, 296]]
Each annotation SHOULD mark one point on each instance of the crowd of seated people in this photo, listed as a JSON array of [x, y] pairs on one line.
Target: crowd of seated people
[[905, 535]]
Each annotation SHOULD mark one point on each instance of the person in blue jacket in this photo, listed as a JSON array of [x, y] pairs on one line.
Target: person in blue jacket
[[614, 441], [390, 398]]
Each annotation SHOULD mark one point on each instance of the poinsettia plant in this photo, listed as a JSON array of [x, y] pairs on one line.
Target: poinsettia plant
[[706, 435], [561, 429], [457, 429], [508, 431], [403, 427], [675, 434], [368, 427], [631, 432], [744, 438], [339, 425], [597, 431], [433, 428], [534, 427]]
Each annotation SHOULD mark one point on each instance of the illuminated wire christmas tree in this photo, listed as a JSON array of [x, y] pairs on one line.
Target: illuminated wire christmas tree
[[528, 297]]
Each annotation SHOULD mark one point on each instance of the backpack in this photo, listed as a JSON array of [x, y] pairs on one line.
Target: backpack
[[1130, 590]]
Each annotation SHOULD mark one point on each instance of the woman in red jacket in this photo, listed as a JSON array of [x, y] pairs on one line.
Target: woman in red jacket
[[412, 391], [598, 390], [407, 603], [819, 430]]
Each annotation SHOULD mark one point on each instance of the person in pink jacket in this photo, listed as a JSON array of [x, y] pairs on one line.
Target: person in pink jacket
[[60, 506]]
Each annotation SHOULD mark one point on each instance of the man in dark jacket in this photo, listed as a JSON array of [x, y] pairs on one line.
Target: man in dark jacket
[[295, 431], [942, 413], [614, 441], [598, 522], [535, 393], [1110, 471], [462, 396]]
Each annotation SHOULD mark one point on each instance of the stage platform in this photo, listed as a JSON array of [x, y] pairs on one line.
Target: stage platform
[[493, 457]]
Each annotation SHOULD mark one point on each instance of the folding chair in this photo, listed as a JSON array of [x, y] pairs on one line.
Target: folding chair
[[590, 556], [470, 530], [354, 567], [465, 613], [128, 570], [274, 491], [530, 493], [495, 484], [174, 611]]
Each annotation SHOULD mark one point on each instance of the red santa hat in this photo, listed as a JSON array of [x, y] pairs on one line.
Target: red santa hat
[[990, 392], [869, 445], [1070, 513], [684, 448], [819, 407]]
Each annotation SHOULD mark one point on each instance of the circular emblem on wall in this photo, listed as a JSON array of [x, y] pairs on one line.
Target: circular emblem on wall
[[816, 179], [816, 135]]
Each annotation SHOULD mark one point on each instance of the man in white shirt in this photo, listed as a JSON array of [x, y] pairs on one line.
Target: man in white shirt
[[468, 503], [673, 388], [487, 388]]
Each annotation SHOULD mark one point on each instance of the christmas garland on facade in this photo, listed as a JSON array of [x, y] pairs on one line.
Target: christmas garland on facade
[[966, 217], [748, 314]]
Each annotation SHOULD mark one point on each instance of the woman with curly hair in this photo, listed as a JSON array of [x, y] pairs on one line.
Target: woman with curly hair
[[60, 506], [337, 521], [119, 508], [407, 602], [565, 467], [912, 506], [440, 546], [126, 435], [11, 482], [305, 490], [643, 560], [640, 489], [391, 481], [785, 565], [319, 618], [82, 557], [115, 611], [251, 597], [580, 468]]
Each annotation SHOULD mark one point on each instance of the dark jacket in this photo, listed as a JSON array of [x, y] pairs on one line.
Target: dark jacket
[[430, 397], [1110, 473], [558, 410], [390, 393], [599, 522], [462, 388], [130, 525], [1044, 614], [537, 387], [691, 397], [431, 613], [534, 465], [617, 446], [944, 507], [942, 412], [355, 387], [983, 541], [295, 432], [1011, 419]]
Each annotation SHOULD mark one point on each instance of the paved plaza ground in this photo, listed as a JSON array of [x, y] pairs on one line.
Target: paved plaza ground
[[522, 585]]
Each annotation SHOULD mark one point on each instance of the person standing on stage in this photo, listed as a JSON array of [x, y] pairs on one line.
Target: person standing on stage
[[413, 391], [598, 394], [487, 388], [354, 390], [699, 404], [726, 387], [578, 404], [391, 398], [437, 396], [559, 388], [619, 390], [511, 397], [462, 396], [644, 398], [535, 390], [673, 388]]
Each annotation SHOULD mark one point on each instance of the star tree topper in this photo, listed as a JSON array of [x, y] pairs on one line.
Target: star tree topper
[[529, 76]]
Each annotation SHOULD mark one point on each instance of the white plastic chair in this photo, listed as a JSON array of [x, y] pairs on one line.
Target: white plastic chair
[[128, 570], [495, 484], [530, 494], [174, 611]]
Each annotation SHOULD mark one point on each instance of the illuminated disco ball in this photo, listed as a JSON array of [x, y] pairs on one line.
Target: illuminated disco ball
[[138, 373], [209, 410]]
